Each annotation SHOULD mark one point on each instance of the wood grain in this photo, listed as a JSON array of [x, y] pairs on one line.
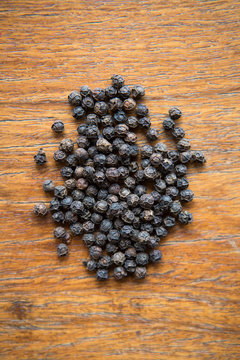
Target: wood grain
[[185, 53]]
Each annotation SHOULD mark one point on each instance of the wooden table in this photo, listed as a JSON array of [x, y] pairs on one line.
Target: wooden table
[[185, 53]]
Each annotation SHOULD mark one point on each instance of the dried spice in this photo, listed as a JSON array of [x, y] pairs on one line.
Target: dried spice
[[105, 198]]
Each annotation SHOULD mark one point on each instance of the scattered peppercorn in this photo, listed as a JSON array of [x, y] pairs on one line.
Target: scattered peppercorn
[[105, 198], [58, 126], [40, 158]]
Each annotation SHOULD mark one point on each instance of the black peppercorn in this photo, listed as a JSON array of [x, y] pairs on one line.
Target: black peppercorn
[[106, 226], [144, 122], [143, 237], [173, 155], [185, 157], [129, 104], [74, 98], [142, 110], [48, 186], [66, 145], [102, 274], [101, 206], [110, 91], [150, 173], [109, 133], [156, 196], [105, 262], [103, 145], [140, 272], [119, 272], [117, 81], [186, 195], [115, 104], [142, 258], [140, 190], [130, 138], [138, 91], [182, 183], [146, 151], [70, 218], [58, 126], [100, 108], [178, 132], [98, 94], [185, 217], [82, 184], [88, 226], [62, 250], [58, 217], [95, 252], [120, 116], [92, 132], [40, 158], [60, 192], [40, 209], [59, 156], [130, 266], [168, 124], [132, 122], [66, 172], [169, 221], [76, 229], [161, 231], [155, 256], [130, 253], [55, 205], [85, 91], [156, 159], [78, 112], [100, 239], [66, 202], [175, 208], [161, 148], [118, 258], [167, 165], [180, 170], [146, 201], [183, 145], [82, 129], [152, 134], [175, 113], [91, 265], [198, 156], [111, 248]]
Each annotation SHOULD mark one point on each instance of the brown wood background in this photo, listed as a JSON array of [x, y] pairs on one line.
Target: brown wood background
[[184, 53]]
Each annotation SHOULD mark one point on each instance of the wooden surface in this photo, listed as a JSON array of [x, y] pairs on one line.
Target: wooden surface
[[185, 53]]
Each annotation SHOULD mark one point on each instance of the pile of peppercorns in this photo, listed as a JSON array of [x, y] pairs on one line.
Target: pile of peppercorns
[[105, 198]]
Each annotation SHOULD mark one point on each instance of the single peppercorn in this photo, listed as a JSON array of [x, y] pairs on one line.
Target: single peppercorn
[[40, 158], [146, 201], [117, 81], [74, 98], [66, 172], [129, 104], [76, 229], [54, 205], [119, 273], [40, 209], [60, 192], [62, 250], [132, 122], [58, 126], [85, 91], [183, 145], [182, 183], [185, 217], [152, 134], [185, 157], [150, 173], [146, 151], [58, 217], [180, 169], [105, 262], [66, 145], [60, 233], [178, 132], [59, 156], [78, 112], [144, 122], [115, 104], [91, 265], [104, 145], [155, 256], [198, 156], [100, 108], [138, 91], [111, 91], [169, 221], [48, 186], [102, 274], [175, 113], [168, 124], [186, 195], [156, 159], [130, 265], [175, 208], [140, 272], [142, 110], [66, 202]]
